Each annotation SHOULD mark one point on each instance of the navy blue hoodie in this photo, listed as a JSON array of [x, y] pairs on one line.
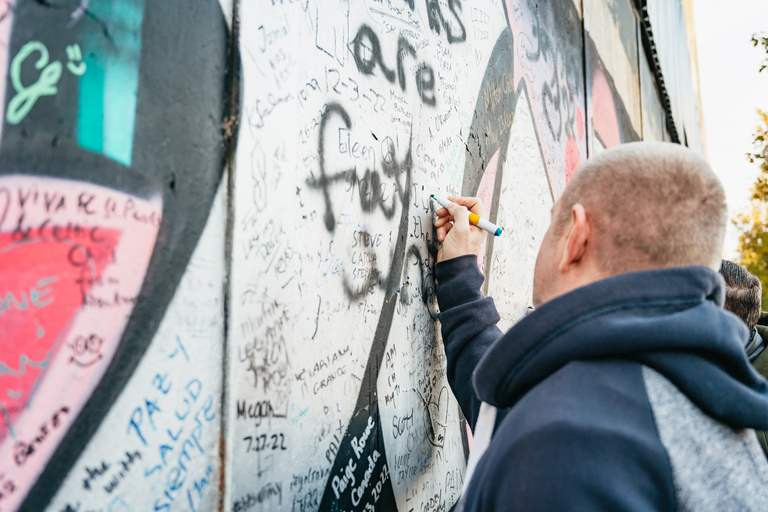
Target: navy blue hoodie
[[631, 393]]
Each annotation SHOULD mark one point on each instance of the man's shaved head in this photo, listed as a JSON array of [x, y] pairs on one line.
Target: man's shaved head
[[651, 205]]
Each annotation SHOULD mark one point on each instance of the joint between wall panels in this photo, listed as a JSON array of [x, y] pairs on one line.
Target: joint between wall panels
[[587, 131], [231, 127]]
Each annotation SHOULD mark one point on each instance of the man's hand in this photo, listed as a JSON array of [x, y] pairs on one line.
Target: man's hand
[[459, 237]]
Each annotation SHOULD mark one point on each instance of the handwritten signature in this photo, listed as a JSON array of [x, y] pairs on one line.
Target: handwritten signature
[[26, 96]]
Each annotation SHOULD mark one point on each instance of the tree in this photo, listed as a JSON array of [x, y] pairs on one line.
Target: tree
[[753, 223], [762, 40]]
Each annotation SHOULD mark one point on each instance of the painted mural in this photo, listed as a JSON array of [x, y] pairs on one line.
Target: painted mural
[[216, 248], [108, 181]]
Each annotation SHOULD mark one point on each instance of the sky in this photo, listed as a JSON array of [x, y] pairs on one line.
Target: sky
[[731, 90]]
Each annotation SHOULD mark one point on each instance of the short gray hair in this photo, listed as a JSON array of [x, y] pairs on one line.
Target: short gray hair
[[652, 205]]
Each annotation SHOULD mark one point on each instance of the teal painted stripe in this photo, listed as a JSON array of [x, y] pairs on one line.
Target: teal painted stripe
[[90, 125], [111, 119]]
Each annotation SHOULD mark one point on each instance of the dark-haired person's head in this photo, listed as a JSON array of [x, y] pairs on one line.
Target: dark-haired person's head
[[742, 292]]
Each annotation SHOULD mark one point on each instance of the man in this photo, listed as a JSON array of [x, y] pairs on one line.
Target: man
[[743, 299], [628, 387], [760, 362]]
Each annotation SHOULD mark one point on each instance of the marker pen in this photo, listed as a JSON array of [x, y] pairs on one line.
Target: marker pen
[[473, 218]]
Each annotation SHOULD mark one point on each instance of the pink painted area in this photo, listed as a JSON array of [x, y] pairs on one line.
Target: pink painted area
[[40, 296], [580, 122], [604, 111], [469, 437], [572, 159], [485, 193], [71, 276]]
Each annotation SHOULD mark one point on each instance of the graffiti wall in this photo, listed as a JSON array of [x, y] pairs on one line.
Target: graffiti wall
[[216, 247]]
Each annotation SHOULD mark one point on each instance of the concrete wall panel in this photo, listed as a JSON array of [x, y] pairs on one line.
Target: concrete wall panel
[[654, 117], [111, 156], [612, 27], [669, 33]]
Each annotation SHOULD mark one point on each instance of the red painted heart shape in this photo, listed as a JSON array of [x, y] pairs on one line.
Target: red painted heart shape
[[73, 257], [52, 275]]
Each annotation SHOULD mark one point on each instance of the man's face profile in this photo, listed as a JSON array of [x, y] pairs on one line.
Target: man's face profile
[[545, 271]]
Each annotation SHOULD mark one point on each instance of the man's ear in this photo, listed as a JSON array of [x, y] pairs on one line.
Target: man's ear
[[576, 239]]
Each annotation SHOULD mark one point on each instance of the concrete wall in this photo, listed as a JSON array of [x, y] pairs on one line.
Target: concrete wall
[[112, 258], [216, 243]]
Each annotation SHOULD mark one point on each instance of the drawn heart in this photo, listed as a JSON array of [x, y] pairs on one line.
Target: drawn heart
[[438, 416]]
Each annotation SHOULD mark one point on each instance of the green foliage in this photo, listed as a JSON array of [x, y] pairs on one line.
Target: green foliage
[[753, 242], [762, 40], [753, 222]]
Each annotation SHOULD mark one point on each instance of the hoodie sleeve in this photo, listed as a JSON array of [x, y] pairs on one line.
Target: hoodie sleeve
[[468, 325]]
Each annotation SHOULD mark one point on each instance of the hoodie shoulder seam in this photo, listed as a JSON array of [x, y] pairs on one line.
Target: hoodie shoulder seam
[[670, 471]]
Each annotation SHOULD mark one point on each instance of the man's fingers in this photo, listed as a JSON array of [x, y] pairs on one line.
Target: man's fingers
[[442, 221], [473, 204], [464, 201], [460, 216], [442, 212], [442, 231]]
